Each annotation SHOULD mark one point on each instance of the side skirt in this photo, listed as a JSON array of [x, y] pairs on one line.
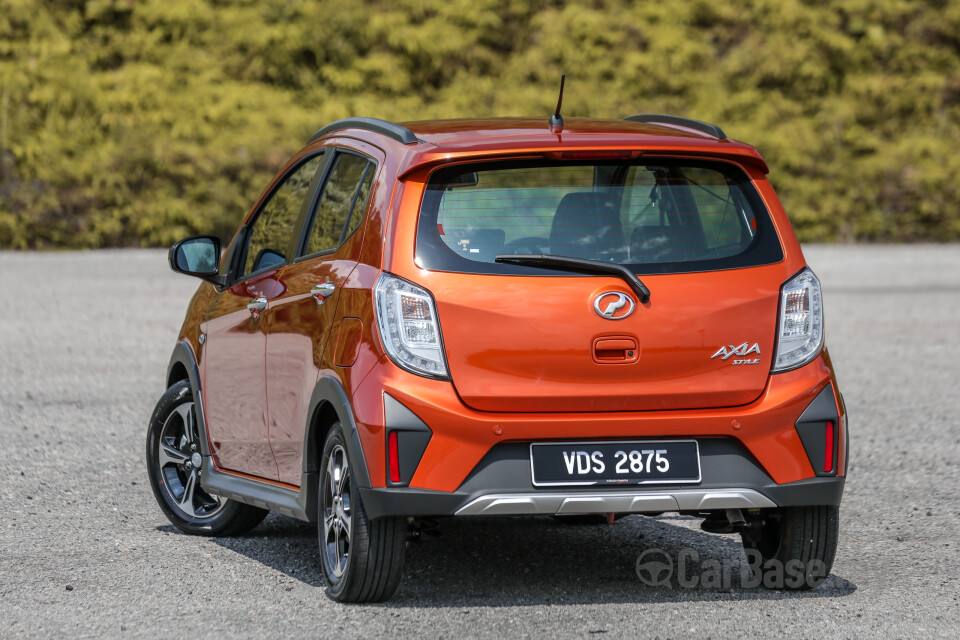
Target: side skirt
[[296, 504]]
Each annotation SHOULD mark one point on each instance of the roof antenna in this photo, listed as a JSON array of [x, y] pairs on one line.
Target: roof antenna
[[556, 120]]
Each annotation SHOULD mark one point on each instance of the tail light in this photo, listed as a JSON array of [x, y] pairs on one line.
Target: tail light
[[409, 328], [800, 334]]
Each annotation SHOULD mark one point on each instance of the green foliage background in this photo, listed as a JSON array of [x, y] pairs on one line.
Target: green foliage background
[[137, 122]]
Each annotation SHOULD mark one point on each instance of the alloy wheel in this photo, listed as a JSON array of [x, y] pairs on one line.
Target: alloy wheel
[[179, 461], [337, 513]]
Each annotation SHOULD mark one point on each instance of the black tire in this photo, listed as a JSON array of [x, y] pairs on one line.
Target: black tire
[[362, 559], [804, 538], [173, 426]]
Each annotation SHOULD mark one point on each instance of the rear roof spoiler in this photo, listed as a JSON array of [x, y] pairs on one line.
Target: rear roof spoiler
[[743, 155]]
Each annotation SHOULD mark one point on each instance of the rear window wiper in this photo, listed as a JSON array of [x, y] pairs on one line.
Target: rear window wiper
[[579, 265]]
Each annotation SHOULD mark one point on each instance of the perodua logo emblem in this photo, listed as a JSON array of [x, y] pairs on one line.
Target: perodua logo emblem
[[613, 305]]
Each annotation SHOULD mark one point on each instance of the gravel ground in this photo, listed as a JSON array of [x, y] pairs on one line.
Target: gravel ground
[[84, 550]]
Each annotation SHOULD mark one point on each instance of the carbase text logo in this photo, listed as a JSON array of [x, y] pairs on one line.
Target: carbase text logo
[[657, 568]]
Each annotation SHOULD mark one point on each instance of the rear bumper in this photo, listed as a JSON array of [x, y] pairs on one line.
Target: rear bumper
[[418, 502], [478, 463], [501, 485]]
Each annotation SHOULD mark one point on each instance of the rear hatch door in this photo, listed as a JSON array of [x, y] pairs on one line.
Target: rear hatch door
[[525, 338], [538, 344]]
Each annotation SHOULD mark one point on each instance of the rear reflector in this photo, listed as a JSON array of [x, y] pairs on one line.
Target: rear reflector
[[394, 457], [828, 449]]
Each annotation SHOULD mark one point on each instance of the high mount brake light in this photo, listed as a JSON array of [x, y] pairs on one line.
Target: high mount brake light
[[800, 334], [593, 155]]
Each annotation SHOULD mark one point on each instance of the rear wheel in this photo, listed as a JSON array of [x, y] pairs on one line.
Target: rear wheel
[[362, 559], [794, 547], [173, 464]]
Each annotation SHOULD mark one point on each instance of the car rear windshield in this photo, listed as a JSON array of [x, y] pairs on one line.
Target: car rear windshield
[[654, 215]]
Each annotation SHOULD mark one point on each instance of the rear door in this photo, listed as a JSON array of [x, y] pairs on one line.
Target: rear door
[[519, 338], [234, 350], [300, 317]]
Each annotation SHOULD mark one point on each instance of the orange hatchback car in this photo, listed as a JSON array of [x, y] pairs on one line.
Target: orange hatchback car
[[505, 317]]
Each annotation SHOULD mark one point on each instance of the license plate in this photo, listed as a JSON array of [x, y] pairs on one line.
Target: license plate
[[614, 463]]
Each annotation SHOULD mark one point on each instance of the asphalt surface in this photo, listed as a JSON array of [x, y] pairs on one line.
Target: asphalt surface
[[85, 551]]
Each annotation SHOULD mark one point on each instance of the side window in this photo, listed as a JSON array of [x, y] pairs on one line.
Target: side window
[[356, 215], [270, 235], [342, 204]]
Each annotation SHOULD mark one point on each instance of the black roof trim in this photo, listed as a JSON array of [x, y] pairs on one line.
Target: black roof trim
[[385, 127], [689, 123]]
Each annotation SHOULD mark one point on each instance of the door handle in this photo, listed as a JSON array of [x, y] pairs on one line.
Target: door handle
[[616, 350], [256, 306], [325, 289]]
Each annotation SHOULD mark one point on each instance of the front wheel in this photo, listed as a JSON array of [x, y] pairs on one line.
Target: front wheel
[[362, 559], [792, 548], [173, 464]]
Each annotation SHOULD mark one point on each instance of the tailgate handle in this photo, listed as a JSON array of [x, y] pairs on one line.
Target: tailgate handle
[[619, 349]]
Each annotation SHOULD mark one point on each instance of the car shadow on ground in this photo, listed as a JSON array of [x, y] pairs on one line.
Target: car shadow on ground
[[532, 561]]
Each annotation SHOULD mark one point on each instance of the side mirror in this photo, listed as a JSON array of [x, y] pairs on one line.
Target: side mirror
[[197, 256]]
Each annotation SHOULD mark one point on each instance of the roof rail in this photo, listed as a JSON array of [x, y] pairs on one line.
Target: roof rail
[[689, 123], [385, 127]]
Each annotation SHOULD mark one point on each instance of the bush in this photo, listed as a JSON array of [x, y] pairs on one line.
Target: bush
[[134, 123]]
